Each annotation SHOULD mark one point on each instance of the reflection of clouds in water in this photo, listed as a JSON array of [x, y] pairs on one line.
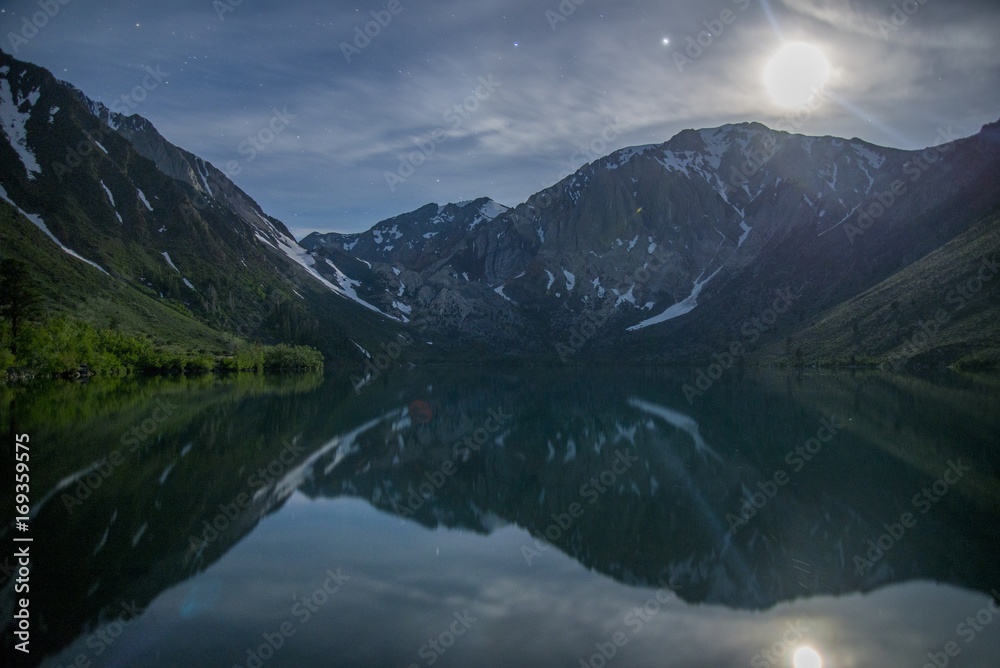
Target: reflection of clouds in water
[[409, 578], [408, 582]]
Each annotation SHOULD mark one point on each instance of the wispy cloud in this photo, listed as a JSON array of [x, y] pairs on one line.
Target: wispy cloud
[[607, 63]]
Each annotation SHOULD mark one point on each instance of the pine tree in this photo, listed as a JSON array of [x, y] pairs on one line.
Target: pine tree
[[19, 299]]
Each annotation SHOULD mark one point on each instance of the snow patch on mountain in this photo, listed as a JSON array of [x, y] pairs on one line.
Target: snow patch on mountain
[[627, 297], [682, 307], [622, 157], [492, 209], [40, 224], [346, 288], [111, 198], [166, 256], [552, 279], [204, 176], [145, 201], [13, 122], [873, 158], [600, 289], [746, 233], [302, 257], [570, 280]]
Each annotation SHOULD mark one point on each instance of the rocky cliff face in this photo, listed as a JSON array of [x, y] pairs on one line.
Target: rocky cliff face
[[670, 249]]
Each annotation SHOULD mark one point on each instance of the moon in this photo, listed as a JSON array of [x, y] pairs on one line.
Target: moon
[[807, 657], [794, 73]]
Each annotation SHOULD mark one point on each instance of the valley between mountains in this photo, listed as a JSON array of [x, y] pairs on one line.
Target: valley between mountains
[[738, 244]]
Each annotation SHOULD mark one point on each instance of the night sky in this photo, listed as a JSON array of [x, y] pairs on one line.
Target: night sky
[[551, 80]]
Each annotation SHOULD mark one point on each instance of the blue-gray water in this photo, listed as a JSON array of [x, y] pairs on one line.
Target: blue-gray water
[[454, 517]]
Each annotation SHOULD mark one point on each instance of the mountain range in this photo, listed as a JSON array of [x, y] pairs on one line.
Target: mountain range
[[723, 245]]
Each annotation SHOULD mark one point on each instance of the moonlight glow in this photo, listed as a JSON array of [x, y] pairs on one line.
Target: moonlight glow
[[807, 657], [794, 72]]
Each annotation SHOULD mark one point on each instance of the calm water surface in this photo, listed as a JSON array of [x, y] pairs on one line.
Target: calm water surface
[[454, 517]]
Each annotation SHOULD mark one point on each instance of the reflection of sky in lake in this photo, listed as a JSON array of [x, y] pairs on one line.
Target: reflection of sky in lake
[[408, 582]]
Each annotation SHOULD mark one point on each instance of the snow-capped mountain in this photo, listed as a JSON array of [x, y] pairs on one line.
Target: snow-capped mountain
[[670, 249], [657, 253], [158, 227]]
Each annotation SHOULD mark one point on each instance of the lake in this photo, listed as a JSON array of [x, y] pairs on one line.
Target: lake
[[514, 517]]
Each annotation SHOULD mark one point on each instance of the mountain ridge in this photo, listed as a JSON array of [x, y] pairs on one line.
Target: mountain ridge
[[754, 185], [161, 224], [660, 253]]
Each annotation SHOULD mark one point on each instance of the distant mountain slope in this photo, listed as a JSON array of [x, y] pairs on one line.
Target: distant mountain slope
[[665, 253], [161, 222], [945, 307]]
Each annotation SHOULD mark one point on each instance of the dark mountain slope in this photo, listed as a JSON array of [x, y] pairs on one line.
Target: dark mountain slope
[[163, 223]]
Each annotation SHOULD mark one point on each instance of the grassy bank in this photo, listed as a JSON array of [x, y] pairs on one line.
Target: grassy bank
[[61, 346]]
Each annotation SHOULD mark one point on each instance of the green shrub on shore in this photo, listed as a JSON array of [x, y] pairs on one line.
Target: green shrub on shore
[[61, 346]]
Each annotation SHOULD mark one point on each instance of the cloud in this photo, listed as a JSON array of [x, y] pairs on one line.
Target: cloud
[[606, 64]]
